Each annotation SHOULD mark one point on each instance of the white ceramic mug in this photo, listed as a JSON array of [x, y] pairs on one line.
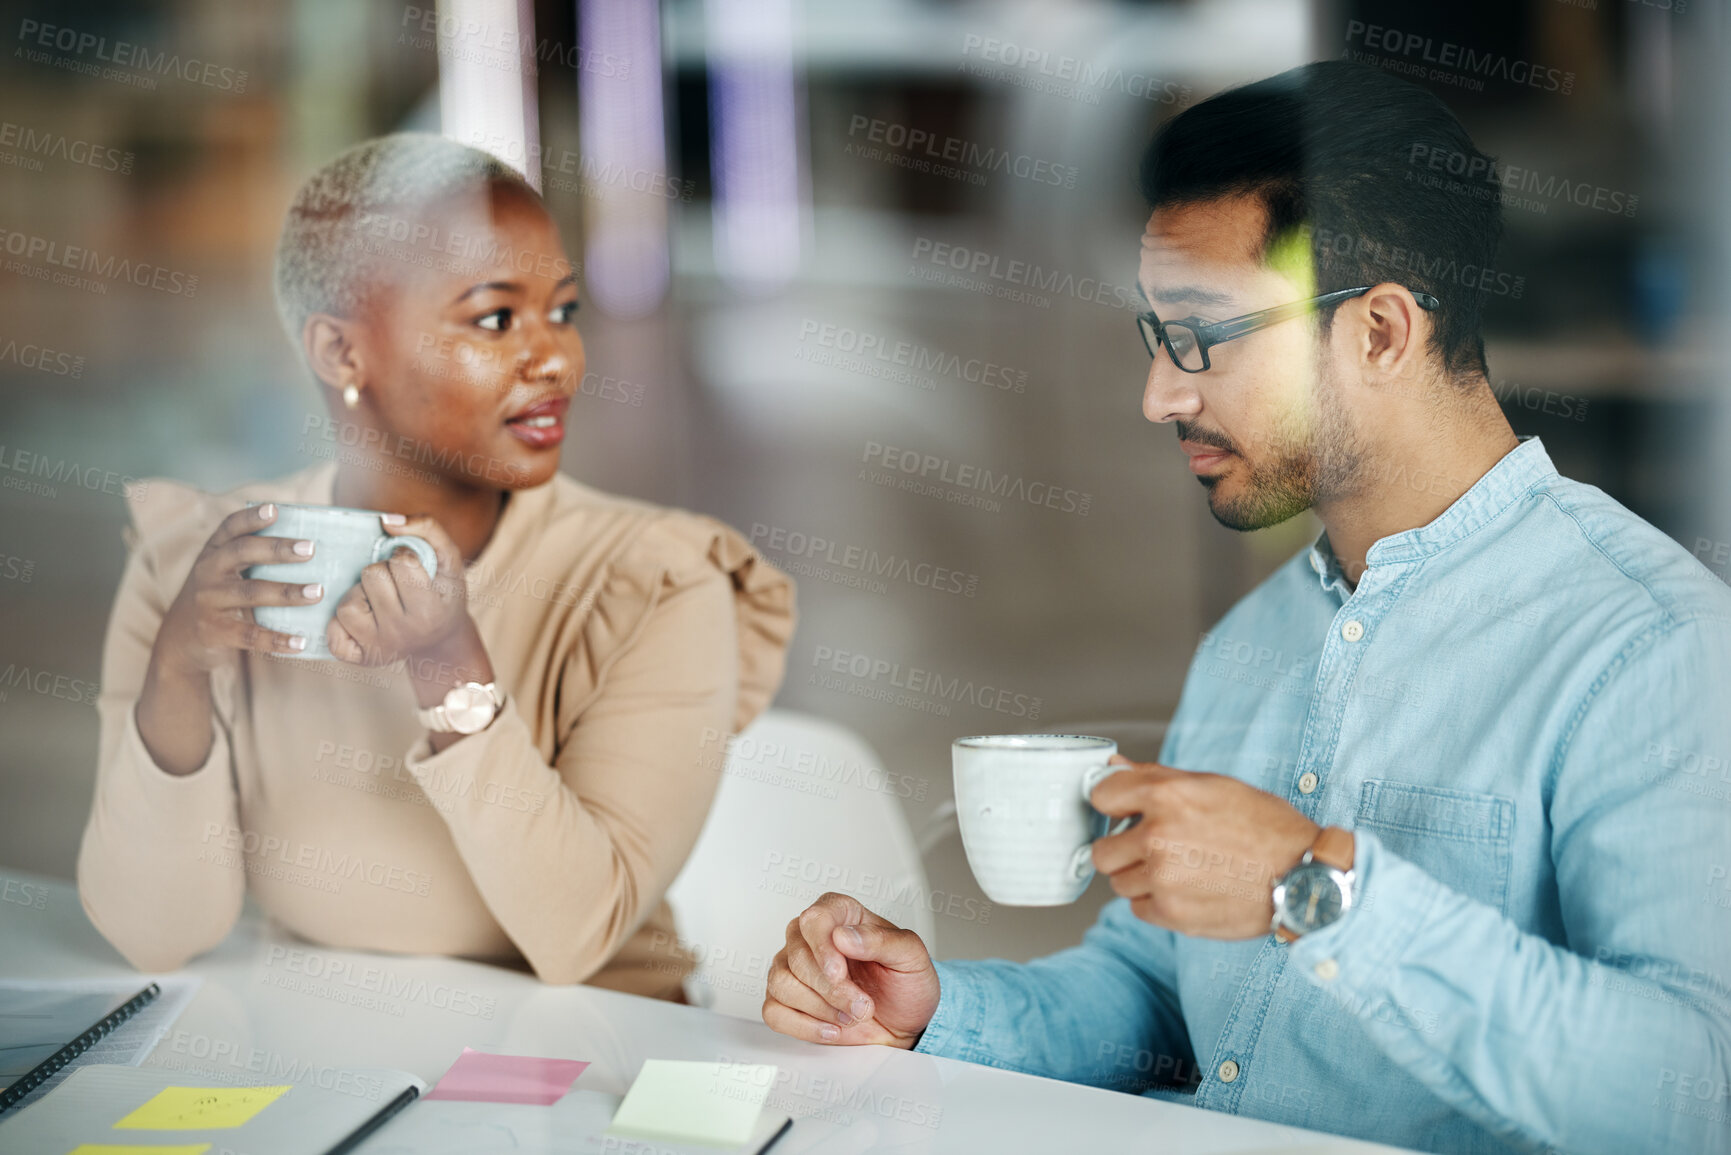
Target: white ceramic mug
[[345, 542], [1022, 804]]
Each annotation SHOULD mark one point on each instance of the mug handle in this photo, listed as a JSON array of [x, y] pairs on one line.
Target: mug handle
[[1093, 778], [387, 545]]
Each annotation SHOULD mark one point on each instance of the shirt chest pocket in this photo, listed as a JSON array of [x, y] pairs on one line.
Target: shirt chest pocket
[[1459, 838]]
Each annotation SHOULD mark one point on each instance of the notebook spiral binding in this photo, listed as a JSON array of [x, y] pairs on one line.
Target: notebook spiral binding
[[51, 1066]]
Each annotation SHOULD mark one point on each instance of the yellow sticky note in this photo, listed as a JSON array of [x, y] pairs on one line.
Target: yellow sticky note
[[198, 1108], [128, 1149]]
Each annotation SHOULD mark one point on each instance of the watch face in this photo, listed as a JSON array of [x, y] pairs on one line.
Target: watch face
[[468, 709], [1312, 898]]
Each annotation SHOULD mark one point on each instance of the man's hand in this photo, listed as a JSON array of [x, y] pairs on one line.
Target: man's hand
[[1204, 859], [848, 976]]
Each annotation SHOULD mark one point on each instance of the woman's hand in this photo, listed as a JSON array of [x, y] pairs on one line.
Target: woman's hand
[[211, 618], [397, 611], [209, 622]]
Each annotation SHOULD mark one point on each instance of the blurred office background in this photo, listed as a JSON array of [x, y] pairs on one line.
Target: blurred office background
[[757, 194]]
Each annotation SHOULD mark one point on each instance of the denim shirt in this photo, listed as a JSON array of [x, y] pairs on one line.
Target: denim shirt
[[1523, 712]]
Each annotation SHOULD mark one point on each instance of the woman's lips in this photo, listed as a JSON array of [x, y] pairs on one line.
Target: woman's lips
[[542, 426]]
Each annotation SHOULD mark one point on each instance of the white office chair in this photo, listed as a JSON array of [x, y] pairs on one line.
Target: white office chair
[[804, 807]]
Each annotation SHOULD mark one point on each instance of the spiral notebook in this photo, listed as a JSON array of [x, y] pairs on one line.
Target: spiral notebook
[[50, 1027], [103, 1108]]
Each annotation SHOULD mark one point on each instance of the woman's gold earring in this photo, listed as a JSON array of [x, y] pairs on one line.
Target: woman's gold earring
[[351, 395]]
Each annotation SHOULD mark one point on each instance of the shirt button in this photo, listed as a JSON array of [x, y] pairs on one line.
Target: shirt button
[[1307, 783], [1228, 1071], [1327, 970], [1353, 630]]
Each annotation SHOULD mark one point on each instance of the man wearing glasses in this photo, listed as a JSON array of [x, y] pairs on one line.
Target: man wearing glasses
[[1443, 865]]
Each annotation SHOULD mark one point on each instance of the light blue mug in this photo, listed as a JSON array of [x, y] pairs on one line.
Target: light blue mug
[[345, 542]]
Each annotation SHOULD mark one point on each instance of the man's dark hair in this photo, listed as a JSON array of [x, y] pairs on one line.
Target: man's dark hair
[[1349, 150]]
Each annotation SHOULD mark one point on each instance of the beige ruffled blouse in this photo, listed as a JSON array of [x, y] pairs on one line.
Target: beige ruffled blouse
[[630, 640]]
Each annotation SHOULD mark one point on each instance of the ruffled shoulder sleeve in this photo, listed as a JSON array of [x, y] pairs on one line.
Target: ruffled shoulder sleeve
[[674, 550], [168, 523]]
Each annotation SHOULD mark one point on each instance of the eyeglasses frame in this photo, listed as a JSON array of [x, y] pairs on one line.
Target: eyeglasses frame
[[1209, 335]]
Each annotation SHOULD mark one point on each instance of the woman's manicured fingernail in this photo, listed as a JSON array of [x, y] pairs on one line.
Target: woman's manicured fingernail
[[844, 1018], [393, 518], [313, 592], [303, 549], [266, 511], [828, 1034], [861, 1007], [297, 642]]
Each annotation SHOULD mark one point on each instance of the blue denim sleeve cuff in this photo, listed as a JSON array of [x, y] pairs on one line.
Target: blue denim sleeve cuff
[[954, 1029], [1356, 955]]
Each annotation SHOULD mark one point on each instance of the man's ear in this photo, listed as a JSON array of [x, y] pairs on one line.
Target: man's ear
[[1394, 330], [333, 350]]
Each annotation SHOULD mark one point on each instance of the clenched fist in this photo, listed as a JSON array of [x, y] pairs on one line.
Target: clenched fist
[[848, 976]]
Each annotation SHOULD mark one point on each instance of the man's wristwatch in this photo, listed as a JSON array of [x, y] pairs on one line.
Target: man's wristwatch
[[467, 709], [1318, 891]]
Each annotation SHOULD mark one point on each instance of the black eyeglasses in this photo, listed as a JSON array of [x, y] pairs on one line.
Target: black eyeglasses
[[1188, 341]]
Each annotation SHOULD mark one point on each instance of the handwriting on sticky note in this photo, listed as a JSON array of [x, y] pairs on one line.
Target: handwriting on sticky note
[[132, 1149], [201, 1108], [684, 1102]]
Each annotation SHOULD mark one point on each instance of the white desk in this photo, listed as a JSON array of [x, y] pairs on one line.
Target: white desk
[[276, 1005]]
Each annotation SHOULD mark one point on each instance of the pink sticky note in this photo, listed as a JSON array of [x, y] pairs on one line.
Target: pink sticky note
[[487, 1078]]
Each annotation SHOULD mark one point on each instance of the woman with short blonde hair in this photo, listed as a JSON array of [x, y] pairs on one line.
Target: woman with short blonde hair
[[609, 646]]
